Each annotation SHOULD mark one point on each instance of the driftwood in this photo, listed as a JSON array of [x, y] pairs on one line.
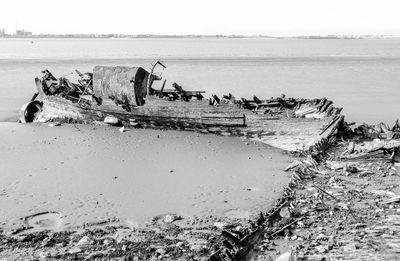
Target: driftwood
[[58, 109], [326, 193]]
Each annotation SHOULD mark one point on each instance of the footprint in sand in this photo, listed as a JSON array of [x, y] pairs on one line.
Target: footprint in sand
[[44, 221]]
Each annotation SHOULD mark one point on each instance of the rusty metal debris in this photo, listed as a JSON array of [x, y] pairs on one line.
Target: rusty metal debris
[[81, 92]]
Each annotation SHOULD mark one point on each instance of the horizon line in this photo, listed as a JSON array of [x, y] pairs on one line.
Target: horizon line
[[150, 35]]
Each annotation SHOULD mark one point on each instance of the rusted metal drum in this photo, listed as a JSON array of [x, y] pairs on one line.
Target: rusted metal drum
[[29, 110]]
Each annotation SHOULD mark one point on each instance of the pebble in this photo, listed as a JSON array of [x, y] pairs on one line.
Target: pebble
[[111, 120], [214, 129], [43, 255], [322, 249], [84, 241], [171, 218], [74, 250], [196, 248], [161, 251], [220, 225], [54, 124], [283, 257], [285, 213]]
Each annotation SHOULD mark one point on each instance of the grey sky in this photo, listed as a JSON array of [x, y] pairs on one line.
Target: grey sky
[[250, 17]]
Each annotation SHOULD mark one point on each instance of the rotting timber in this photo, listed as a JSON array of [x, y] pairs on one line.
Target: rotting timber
[[131, 97]]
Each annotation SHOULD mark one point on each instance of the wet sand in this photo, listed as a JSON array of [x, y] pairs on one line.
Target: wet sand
[[92, 173]]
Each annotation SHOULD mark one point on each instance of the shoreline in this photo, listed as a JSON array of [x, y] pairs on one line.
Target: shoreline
[[201, 36]]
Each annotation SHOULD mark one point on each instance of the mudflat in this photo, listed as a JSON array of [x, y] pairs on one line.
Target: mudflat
[[86, 173]]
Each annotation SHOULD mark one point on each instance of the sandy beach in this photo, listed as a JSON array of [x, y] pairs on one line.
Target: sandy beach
[[86, 174]]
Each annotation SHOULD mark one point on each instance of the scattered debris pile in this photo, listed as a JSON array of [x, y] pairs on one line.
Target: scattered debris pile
[[373, 143], [81, 92], [162, 239], [338, 205], [346, 208], [376, 150], [381, 130], [237, 244]]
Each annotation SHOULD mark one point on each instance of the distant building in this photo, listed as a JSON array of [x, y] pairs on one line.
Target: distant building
[[2, 32], [23, 33]]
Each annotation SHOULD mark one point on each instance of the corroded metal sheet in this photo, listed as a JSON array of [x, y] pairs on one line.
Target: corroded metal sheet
[[126, 84]]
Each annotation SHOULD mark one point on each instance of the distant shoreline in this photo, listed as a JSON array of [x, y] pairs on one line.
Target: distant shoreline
[[151, 36]]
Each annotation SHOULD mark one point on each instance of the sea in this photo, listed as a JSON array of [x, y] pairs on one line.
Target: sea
[[360, 75]]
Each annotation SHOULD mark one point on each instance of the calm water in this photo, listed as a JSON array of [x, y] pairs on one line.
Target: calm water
[[360, 75]]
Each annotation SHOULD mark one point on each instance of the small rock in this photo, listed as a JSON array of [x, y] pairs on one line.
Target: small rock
[[322, 249], [112, 120], [214, 129], [84, 241], [351, 146], [343, 205], [54, 124], [351, 169], [196, 248], [179, 244], [43, 255], [161, 251], [135, 124], [171, 218], [300, 224], [122, 129], [285, 213], [284, 257], [220, 225], [74, 250]]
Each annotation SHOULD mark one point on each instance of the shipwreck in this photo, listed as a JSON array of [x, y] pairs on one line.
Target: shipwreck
[[139, 98]]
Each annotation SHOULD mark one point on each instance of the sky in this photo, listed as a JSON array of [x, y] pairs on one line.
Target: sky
[[177, 17]]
